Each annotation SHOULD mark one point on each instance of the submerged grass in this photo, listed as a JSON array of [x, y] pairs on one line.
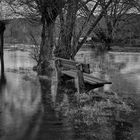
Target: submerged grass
[[96, 115]]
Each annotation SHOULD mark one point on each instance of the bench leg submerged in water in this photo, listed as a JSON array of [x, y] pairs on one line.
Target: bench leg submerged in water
[[79, 81]]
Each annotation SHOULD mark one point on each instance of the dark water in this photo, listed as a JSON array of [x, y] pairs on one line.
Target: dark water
[[123, 70], [27, 103]]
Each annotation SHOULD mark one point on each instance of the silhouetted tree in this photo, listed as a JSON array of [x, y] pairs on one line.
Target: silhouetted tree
[[69, 41], [46, 11], [2, 29], [115, 17]]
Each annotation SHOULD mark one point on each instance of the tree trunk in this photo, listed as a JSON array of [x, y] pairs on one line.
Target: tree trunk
[[49, 10], [46, 48], [93, 25], [61, 50], [2, 28], [109, 33], [64, 48]]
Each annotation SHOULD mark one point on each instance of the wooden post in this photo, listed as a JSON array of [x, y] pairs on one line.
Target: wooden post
[[80, 80], [58, 69], [85, 68]]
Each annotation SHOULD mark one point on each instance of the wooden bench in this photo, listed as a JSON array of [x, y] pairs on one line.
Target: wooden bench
[[80, 72], [66, 64]]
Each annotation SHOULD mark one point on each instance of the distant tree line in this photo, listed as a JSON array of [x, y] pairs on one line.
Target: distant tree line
[[68, 12], [19, 31]]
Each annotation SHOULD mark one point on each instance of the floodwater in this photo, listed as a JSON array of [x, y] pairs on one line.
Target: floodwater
[[27, 103], [123, 70]]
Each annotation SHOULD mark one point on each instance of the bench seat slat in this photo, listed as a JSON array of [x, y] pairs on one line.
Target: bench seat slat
[[70, 68], [92, 78], [87, 77]]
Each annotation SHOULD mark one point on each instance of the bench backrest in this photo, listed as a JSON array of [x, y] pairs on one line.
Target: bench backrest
[[70, 64]]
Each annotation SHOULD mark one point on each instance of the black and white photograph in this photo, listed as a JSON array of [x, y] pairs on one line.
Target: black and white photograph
[[69, 69]]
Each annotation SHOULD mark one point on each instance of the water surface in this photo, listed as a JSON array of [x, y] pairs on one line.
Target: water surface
[[27, 103], [123, 70]]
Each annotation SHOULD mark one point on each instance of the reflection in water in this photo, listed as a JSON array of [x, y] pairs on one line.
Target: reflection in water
[[123, 69], [18, 59], [19, 100], [18, 104], [51, 126], [2, 82], [28, 106], [27, 109]]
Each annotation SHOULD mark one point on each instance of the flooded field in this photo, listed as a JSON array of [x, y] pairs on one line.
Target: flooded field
[[28, 104]]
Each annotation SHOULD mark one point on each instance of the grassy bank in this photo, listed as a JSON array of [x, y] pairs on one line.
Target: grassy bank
[[99, 116]]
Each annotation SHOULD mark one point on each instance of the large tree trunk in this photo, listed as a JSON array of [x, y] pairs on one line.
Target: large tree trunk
[[64, 48], [109, 32], [46, 48], [92, 27], [2, 28], [49, 10]]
